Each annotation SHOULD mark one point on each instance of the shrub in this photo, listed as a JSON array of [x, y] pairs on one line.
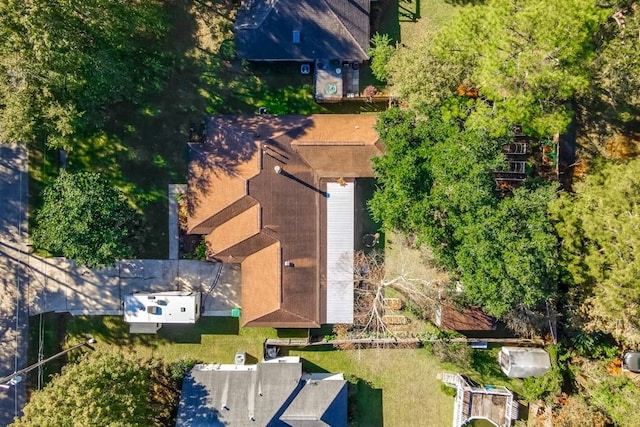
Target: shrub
[[179, 368], [594, 345], [200, 252], [544, 387], [380, 52], [449, 391], [460, 354]]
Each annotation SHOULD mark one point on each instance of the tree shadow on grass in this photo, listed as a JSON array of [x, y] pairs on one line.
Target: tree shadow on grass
[[365, 404], [204, 326], [109, 330], [485, 364]]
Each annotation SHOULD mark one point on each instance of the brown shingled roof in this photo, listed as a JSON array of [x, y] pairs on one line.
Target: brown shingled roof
[[282, 211], [465, 319], [261, 283], [223, 171], [235, 230], [349, 129]]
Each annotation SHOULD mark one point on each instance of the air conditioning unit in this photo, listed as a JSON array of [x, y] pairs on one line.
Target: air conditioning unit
[[241, 358]]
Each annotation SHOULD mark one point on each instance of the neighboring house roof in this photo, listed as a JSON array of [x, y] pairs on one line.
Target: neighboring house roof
[[261, 219], [324, 29], [451, 318], [523, 362], [274, 393]]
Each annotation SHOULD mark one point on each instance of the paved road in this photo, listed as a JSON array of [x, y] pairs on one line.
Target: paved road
[[13, 275]]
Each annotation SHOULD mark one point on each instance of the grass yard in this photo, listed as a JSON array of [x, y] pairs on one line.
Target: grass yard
[[397, 387], [211, 339], [420, 17]]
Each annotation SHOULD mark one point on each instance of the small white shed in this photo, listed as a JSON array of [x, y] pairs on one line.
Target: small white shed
[[523, 362], [162, 307]]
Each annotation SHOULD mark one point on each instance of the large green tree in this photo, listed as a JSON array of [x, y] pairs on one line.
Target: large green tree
[[432, 177], [64, 63], [107, 389], [600, 249], [508, 255], [616, 70], [85, 218], [521, 59], [436, 182]]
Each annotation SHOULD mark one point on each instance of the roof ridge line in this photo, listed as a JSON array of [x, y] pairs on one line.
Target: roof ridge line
[[366, 54]]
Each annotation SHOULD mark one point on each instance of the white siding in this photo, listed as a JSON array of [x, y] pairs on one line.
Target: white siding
[[340, 230]]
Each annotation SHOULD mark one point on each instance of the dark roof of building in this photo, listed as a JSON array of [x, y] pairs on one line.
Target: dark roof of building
[[261, 218], [272, 394], [464, 319], [327, 29]]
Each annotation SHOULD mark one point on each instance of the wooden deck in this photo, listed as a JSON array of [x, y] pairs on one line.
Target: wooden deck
[[492, 406]]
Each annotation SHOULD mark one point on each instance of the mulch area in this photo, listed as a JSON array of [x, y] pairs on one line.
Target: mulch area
[[187, 242]]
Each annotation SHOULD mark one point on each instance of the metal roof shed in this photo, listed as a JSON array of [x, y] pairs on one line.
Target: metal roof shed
[[523, 362]]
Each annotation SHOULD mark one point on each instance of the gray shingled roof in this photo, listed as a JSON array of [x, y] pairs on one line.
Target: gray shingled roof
[[273, 393], [329, 29]]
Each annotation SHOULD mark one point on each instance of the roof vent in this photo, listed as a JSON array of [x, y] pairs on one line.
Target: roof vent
[[296, 36]]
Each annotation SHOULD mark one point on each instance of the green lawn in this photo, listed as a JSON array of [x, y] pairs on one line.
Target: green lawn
[[419, 17], [211, 339]]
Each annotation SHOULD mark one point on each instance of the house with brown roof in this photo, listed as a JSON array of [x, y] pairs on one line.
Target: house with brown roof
[[276, 194]]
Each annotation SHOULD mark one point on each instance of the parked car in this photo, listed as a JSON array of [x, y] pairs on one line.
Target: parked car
[[523, 362], [631, 361]]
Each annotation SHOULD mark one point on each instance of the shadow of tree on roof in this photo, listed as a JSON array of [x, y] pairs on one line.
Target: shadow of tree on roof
[[195, 408], [230, 148]]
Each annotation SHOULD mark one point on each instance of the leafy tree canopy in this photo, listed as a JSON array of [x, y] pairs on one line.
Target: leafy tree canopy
[[108, 389], [508, 254], [436, 182], [616, 70], [519, 60], [600, 246], [381, 51], [62, 63], [83, 217]]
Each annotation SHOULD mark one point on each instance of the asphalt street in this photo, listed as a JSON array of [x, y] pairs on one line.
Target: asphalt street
[[13, 275]]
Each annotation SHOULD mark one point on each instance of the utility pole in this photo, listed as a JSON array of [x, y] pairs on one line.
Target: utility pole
[[17, 376]]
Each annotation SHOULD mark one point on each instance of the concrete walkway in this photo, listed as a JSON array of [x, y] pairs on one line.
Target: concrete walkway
[[14, 327]]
